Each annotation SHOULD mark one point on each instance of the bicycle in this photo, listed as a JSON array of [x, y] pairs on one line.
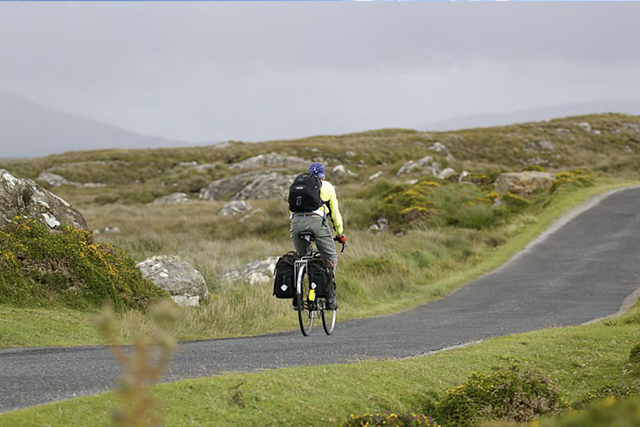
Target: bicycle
[[308, 303]]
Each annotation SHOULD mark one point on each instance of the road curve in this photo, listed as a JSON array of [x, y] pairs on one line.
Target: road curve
[[582, 271]]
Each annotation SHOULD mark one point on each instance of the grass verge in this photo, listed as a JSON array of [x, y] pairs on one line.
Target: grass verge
[[577, 359]]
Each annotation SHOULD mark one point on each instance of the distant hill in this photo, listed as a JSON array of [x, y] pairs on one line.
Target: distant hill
[[31, 130], [629, 106]]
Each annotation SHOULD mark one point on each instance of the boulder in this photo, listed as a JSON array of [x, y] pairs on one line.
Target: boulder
[[56, 180], [542, 145], [439, 147], [270, 186], [271, 160], [26, 198], [417, 166], [447, 173], [523, 183], [585, 125], [235, 207], [254, 273], [380, 226], [184, 283], [340, 173], [172, 199], [249, 186]]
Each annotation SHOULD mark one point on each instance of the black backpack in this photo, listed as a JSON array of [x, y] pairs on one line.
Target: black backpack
[[304, 194], [284, 285], [320, 275]]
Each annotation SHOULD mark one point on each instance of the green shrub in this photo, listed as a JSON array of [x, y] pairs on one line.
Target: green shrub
[[390, 419], [616, 391], [575, 177], [606, 413], [66, 268], [509, 394]]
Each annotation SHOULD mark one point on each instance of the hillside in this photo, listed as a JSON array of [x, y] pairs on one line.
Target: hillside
[[628, 106], [28, 129]]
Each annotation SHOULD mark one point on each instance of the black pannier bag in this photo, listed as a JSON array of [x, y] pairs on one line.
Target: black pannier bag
[[320, 274], [284, 285], [304, 193]]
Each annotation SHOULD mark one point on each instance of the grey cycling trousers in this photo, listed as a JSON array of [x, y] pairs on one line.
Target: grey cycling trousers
[[320, 228]]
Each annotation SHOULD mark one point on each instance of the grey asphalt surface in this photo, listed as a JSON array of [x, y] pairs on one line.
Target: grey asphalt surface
[[582, 271]]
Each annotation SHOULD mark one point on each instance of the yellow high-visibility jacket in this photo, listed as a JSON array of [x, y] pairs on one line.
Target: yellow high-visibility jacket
[[329, 197]]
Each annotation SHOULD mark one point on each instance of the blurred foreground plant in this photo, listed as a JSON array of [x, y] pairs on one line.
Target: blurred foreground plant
[[143, 365]]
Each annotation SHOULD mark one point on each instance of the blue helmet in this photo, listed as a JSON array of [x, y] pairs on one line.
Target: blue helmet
[[317, 169]]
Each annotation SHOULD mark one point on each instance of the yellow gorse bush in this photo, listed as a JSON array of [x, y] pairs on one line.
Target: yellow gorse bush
[[40, 268]]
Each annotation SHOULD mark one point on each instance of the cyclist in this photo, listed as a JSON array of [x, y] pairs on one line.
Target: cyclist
[[317, 222]]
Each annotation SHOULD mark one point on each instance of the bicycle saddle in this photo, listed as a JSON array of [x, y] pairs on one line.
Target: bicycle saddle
[[306, 235]]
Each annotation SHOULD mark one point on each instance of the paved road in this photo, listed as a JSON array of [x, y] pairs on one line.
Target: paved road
[[583, 270]]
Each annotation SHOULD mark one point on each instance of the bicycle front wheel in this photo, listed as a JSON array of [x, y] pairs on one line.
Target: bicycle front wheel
[[306, 308]]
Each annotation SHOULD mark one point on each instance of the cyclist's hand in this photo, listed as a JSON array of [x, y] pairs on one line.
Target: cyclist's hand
[[342, 239]]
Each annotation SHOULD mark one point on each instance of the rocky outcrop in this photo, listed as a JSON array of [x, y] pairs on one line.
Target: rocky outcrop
[[235, 207], [271, 160], [254, 273], [23, 197], [523, 183], [172, 199], [249, 186], [632, 126], [425, 165], [542, 145], [56, 180], [184, 283], [439, 147]]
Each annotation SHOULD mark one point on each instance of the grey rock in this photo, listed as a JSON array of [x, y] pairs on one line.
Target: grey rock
[[112, 230], [172, 199], [416, 166], [375, 176], [563, 130], [463, 175], [447, 173], [546, 145], [340, 173], [25, 198], [249, 186], [184, 283], [52, 179], [380, 226], [523, 183], [56, 180], [536, 161], [188, 164], [584, 125], [632, 126], [439, 147], [254, 273], [271, 160], [350, 154], [628, 149], [235, 207], [270, 186]]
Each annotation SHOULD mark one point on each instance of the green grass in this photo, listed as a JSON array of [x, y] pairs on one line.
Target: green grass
[[378, 275], [577, 359]]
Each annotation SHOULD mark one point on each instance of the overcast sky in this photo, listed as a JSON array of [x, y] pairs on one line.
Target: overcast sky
[[256, 71]]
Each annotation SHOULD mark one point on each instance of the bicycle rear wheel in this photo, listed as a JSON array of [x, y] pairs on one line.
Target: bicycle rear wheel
[[306, 308], [328, 320]]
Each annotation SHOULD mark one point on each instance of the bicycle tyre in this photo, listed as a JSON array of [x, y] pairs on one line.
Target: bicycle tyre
[[305, 312], [328, 320]]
